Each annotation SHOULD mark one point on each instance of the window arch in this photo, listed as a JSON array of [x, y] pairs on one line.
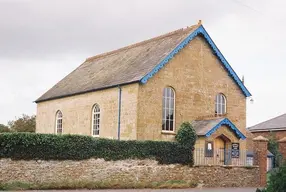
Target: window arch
[[168, 115], [95, 120], [59, 122], [220, 104]]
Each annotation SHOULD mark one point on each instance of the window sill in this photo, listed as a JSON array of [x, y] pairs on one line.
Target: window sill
[[95, 135], [168, 132]]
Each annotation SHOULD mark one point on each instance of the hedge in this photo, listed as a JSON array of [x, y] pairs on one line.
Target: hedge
[[32, 146]]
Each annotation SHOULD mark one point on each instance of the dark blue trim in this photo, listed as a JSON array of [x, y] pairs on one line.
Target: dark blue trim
[[200, 30], [227, 122]]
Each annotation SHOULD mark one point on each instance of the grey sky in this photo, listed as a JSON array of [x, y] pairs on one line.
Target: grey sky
[[42, 41]]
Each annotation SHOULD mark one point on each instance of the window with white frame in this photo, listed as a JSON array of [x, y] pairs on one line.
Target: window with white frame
[[95, 120], [220, 104], [59, 122], [168, 120]]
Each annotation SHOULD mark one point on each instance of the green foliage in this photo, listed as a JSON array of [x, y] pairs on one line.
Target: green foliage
[[75, 147], [273, 148], [4, 128], [25, 123], [186, 135], [276, 181]]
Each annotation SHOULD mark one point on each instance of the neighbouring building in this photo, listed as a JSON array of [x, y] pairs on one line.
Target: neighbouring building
[[146, 90], [275, 127]]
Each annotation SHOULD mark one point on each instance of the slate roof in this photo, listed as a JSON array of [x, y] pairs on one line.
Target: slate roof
[[274, 124], [202, 127], [123, 66], [135, 63], [208, 127]]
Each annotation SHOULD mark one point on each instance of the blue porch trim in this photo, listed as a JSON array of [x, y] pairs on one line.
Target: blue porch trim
[[228, 123], [199, 31]]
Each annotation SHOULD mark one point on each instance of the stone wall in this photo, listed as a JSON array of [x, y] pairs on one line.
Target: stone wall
[[77, 113], [125, 171], [197, 76]]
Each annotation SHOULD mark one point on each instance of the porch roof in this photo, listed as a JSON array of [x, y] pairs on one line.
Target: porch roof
[[208, 127]]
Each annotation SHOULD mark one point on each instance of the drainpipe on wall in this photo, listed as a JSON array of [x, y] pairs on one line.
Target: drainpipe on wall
[[119, 111]]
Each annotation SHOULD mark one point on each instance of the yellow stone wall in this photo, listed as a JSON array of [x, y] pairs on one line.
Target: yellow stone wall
[[199, 153], [197, 76], [77, 113]]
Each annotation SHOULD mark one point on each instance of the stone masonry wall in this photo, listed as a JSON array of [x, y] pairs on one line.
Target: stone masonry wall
[[197, 76], [125, 171], [77, 113]]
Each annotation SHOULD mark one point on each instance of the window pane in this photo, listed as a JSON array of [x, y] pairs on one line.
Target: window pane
[[167, 125], [168, 109], [171, 125], [96, 120]]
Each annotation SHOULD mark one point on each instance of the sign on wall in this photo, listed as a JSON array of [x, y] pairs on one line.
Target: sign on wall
[[235, 150]]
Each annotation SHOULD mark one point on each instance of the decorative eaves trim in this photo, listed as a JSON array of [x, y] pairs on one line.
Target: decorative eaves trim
[[228, 123], [199, 31]]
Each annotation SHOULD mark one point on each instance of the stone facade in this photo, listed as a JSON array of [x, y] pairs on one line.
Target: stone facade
[[77, 113], [128, 171], [195, 74]]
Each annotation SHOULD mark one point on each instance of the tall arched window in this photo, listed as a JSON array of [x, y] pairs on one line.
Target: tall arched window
[[168, 119], [220, 104], [59, 122], [95, 120]]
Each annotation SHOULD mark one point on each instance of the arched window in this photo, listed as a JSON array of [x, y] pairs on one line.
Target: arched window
[[95, 120], [220, 104], [59, 122], [168, 120]]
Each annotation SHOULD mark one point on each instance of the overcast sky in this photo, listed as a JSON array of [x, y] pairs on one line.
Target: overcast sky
[[42, 41]]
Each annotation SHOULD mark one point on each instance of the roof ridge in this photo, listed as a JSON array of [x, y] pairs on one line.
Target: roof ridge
[[141, 42], [249, 128]]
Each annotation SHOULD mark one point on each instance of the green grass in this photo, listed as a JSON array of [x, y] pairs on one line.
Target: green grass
[[170, 184]]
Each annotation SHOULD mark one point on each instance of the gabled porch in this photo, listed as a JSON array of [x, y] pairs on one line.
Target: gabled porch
[[219, 142]]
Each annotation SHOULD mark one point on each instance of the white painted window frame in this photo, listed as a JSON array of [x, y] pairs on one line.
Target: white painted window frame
[[95, 122], [220, 104], [59, 123], [166, 110]]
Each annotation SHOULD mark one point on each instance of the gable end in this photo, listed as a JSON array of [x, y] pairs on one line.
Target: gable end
[[199, 31]]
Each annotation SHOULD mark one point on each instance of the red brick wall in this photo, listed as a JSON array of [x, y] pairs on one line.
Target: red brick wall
[[282, 148], [277, 134], [259, 158]]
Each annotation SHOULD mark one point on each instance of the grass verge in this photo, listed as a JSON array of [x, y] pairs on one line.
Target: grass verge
[[170, 184]]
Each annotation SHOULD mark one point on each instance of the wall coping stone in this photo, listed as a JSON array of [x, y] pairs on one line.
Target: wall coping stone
[[260, 138], [283, 140]]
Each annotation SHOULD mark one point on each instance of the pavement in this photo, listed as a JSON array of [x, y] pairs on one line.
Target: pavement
[[159, 190]]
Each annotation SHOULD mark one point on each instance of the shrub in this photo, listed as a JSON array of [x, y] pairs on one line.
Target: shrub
[[276, 181], [273, 148], [29, 146], [186, 135]]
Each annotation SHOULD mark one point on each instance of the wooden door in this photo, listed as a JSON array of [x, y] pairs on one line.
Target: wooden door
[[219, 152]]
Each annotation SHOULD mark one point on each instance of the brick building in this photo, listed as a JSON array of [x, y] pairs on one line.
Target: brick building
[[275, 127], [146, 90]]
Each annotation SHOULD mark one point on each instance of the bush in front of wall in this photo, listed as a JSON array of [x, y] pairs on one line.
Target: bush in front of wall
[[186, 135], [32, 146]]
